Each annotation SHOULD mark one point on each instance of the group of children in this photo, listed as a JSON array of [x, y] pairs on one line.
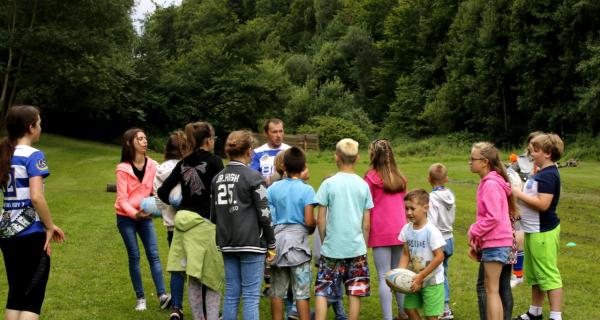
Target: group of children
[[250, 220], [350, 213], [355, 213], [260, 216]]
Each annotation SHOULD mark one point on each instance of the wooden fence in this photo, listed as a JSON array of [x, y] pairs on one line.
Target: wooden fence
[[307, 142]]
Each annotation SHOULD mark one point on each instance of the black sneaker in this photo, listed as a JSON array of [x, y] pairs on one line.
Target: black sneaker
[[164, 301], [528, 316], [176, 314]]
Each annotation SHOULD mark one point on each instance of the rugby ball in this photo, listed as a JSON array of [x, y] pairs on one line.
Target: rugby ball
[[400, 280], [149, 205]]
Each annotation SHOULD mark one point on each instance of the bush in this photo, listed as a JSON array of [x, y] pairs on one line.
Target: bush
[[333, 129], [581, 147]]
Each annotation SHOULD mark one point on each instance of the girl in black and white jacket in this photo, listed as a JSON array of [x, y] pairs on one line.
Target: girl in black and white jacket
[[240, 210]]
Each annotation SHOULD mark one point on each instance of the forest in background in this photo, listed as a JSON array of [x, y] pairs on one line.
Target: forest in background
[[496, 69]]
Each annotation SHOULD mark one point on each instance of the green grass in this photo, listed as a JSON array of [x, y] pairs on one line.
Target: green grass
[[89, 277]]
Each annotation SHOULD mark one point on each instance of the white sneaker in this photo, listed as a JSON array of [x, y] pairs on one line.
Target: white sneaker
[[140, 305], [515, 281], [447, 315]]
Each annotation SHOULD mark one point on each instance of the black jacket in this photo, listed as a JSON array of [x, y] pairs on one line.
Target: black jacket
[[195, 173], [241, 211]]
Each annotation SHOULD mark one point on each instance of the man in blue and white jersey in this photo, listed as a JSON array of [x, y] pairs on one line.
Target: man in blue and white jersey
[[263, 157]]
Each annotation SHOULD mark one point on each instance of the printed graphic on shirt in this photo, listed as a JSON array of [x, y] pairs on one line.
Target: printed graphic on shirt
[[421, 244], [263, 159], [192, 179], [26, 162], [225, 191]]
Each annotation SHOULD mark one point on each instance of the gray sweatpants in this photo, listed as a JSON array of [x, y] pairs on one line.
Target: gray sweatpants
[[387, 258]]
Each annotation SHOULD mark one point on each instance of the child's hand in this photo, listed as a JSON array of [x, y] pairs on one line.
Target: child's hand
[[142, 215], [417, 283], [270, 255], [474, 254]]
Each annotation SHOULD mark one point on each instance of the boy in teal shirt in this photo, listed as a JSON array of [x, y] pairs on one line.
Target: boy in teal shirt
[[292, 210], [343, 222]]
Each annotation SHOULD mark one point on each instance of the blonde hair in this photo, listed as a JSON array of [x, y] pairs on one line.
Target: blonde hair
[[278, 163], [438, 172], [238, 142], [489, 152], [382, 161], [347, 150], [549, 143]]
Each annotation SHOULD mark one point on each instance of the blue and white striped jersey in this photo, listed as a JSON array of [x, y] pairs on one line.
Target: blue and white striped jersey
[[26, 162], [263, 159]]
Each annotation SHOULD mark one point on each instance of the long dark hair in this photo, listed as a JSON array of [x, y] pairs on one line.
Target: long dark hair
[[127, 147], [383, 162], [176, 144], [18, 121]]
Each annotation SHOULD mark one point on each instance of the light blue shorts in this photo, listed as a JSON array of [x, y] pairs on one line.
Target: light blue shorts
[[499, 254]]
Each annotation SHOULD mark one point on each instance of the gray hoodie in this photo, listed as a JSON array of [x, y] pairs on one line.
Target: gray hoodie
[[442, 211]]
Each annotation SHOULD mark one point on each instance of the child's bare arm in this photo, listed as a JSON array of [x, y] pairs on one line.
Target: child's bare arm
[[438, 258], [321, 221], [366, 224], [540, 202], [309, 218], [404, 258]]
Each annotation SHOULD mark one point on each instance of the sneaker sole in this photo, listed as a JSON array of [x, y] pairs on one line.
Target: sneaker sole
[[165, 304]]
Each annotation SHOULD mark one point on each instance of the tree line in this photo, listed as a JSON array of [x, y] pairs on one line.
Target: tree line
[[393, 68]]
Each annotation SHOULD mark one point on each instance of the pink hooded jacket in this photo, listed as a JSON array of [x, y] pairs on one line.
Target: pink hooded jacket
[[492, 228], [387, 216], [130, 192]]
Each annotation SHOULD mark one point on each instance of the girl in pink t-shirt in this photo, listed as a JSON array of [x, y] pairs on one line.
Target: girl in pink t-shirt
[[388, 187]]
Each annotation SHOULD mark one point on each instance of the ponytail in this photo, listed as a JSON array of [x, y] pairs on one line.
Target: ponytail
[[7, 148]]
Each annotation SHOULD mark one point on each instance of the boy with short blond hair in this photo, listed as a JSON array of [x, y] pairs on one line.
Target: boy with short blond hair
[[441, 213], [423, 254], [541, 225], [344, 222]]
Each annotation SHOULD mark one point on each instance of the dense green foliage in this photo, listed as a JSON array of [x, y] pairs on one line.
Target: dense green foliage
[[394, 68]]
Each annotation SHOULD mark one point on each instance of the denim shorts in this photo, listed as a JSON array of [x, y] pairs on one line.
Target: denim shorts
[[299, 277], [499, 254]]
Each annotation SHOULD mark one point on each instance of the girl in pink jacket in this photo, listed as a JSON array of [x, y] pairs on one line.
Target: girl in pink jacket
[[135, 175], [491, 236], [388, 187]]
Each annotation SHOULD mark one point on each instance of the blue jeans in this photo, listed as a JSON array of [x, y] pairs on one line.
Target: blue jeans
[[243, 277], [177, 282], [128, 229], [448, 252], [337, 304]]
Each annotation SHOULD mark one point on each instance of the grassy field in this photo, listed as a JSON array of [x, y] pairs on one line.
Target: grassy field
[[89, 277]]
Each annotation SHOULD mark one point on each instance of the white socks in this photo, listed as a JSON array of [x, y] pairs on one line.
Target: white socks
[[555, 315], [535, 310]]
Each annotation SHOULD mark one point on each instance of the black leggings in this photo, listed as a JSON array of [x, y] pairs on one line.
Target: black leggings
[[27, 269]]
